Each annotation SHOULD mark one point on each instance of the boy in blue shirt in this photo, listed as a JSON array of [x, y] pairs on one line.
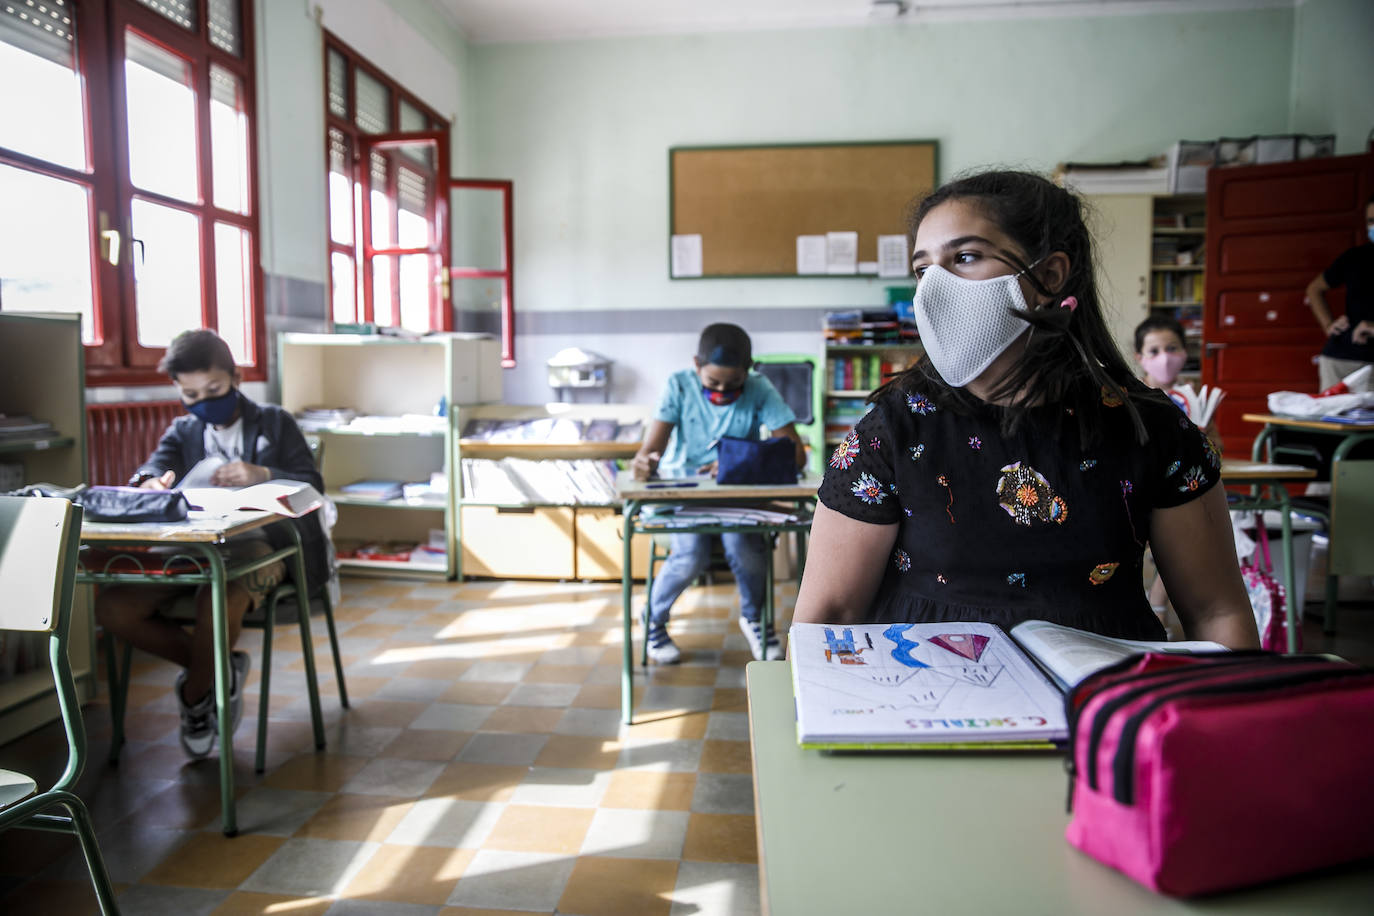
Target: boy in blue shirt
[[720, 396]]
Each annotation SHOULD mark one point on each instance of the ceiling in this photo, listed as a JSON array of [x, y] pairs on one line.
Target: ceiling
[[484, 21]]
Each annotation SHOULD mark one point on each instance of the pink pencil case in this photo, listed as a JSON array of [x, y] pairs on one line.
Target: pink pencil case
[[1194, 774]]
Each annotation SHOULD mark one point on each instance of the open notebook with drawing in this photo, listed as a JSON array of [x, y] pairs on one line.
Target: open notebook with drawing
[[903, 685]]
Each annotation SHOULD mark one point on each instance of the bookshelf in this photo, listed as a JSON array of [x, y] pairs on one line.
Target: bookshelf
[[1178, 245], [45, 379], [852, 371], [1140, 241], [397, 388], [549, 533]]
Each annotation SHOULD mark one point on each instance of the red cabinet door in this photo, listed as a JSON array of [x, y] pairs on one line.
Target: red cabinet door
[[1270, 230]]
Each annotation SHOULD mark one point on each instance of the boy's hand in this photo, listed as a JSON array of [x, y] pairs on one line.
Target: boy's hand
[[239, 474], [645, 464], [707, 470], [1363, 333], [162, 482], [1338, 326]]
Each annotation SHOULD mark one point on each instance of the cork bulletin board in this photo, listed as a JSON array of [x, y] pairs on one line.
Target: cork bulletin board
[[749, 203]]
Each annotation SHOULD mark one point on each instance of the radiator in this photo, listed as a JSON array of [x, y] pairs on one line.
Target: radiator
[[121, 436]]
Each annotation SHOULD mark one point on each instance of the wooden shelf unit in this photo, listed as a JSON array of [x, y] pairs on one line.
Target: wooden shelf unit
[[544, 540], [45, 378]]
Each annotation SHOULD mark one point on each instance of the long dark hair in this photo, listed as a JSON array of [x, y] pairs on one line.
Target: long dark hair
[[1069, 358]]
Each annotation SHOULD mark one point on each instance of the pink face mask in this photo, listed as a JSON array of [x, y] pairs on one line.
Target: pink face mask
[[1164, 367]]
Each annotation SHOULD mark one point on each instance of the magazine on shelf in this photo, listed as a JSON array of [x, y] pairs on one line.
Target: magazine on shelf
[[944, 685], [291, 498]]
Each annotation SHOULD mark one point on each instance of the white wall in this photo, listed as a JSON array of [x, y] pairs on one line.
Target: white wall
[[1333, 72]]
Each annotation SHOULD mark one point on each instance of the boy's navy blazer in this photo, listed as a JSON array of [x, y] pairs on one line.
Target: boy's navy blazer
[[272, 439]]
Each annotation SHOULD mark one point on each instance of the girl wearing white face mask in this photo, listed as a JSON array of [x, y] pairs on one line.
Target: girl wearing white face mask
[[1019, 470]]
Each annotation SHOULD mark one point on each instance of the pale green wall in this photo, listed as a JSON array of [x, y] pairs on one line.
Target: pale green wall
[[583, 127], [408, 39], [1333, 71]]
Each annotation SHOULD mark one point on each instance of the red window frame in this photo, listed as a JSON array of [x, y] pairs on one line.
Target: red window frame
[[358, 249], [116, 357]]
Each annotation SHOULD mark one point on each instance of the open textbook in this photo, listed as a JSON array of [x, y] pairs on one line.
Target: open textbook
[[293, 498], [944, 684]]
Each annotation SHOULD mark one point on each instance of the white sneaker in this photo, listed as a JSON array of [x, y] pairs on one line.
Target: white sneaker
[[662, 649], [240, 662], [764, 649], [198, 726]]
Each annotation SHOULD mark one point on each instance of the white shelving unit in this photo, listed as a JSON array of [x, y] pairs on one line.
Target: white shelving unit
[[387, 377], [839, 410]]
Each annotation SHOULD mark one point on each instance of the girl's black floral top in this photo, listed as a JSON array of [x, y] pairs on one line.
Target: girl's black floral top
[[1032, 526]]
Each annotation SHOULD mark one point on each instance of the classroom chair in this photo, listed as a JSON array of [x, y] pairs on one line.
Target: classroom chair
[[39, 541]]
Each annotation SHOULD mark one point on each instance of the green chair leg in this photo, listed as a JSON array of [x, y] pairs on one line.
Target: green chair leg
[[265, 681], [90, 850], [334, 647]]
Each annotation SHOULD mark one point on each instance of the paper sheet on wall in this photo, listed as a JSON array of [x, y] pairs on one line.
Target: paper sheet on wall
[[841, 252], [686, 256], [811, 254], [892, 256]]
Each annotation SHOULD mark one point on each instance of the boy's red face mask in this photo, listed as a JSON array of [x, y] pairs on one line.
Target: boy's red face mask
[[721, 385]]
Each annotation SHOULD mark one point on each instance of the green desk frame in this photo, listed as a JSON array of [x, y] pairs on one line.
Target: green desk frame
[[636, 495], [198, 541]]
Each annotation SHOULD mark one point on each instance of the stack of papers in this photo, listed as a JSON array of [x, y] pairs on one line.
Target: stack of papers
[[689, 515], [518, 481]]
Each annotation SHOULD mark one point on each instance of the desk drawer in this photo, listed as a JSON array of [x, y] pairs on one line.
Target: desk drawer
[[528, 542]]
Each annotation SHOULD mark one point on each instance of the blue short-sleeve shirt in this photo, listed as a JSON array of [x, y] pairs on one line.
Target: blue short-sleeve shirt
[[698, 424]]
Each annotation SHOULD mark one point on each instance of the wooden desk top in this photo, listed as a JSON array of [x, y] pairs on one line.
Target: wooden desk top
[[706, 488], [1233, 470], [940, 832], [1300, 423], [200, 528]]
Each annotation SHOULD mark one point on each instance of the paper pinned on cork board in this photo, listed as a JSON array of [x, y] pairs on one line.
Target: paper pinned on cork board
[[686, 260], [842, 252], [811, 254], [892, 256]]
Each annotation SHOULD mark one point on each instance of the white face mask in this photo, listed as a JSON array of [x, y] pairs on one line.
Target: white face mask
[[965, 324]]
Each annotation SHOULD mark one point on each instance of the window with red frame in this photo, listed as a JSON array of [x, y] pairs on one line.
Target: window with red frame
[[127, 172], [404, 207]]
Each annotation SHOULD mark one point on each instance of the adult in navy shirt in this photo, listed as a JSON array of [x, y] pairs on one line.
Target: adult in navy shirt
[[1350, 337]]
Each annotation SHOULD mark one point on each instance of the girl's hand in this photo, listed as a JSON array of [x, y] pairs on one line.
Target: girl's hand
[[239, 474]]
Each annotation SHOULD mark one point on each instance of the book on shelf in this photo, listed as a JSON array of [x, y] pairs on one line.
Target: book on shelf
[[945, 685], [20, 427], [292, 498], [375, 489]]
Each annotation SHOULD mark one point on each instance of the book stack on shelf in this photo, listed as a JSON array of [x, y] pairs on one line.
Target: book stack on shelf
[[870, 327], [21, 428], [1178, 246], [556, 482]]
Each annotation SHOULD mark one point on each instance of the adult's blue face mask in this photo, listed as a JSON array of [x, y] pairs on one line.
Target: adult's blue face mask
[[216, 411], [1370, 232]]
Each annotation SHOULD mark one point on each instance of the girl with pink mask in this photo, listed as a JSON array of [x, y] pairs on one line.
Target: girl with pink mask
[[1159, 350]]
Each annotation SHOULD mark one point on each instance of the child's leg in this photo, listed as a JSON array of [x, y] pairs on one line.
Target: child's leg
[[748, 557], [200, 671], [688, 559], [129, 612]]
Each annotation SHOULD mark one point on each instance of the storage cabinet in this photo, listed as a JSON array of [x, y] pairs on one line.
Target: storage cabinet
[[545, 535], [412, 390], [851, 374], [45, 379]]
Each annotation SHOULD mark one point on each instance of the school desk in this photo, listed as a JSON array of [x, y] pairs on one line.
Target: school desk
[[1268, 491], [1345, 554], [195, 541], [636, 494], [944, 833]]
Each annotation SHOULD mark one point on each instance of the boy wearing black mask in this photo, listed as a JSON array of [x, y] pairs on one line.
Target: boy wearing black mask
[[256, 443]]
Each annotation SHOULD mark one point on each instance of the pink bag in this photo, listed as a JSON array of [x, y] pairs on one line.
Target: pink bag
[[1194, 774], [1268, 599]]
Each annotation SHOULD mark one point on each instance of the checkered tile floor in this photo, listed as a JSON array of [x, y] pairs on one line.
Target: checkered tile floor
[[482, 769]]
